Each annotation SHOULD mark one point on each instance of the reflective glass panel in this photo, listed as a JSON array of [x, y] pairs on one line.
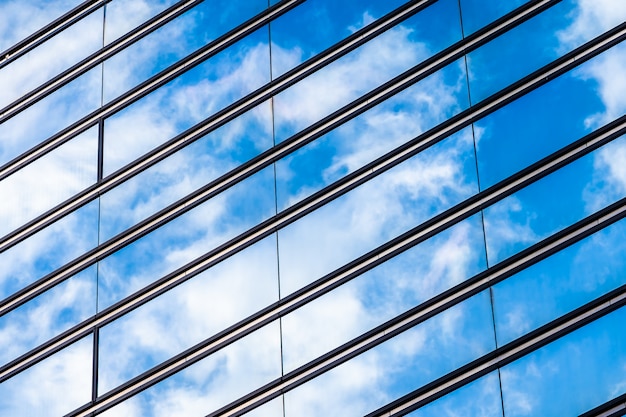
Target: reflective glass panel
[[48, 181], [377, 211], [53, 387], [371, 134], [383, 293], [166, 45], [186, 100], [365, 68], [586, 367], [188, 314], [560, 283], [399, 365], [213, 382], [48, 315], [48, 249], [187, 237], [185, 171]]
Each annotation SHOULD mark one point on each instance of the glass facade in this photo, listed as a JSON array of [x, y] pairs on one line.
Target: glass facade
[[289, 208]]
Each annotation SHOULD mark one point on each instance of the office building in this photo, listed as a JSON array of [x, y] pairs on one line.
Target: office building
[[312, 208]]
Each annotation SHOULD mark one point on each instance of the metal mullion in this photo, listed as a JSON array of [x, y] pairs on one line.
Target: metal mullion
[[429, 138], [148, 86], [395, 326], [314, 64], [98, 57], [50, 30], [379, 255]]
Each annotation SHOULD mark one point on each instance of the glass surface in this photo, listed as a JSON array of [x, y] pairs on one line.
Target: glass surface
[[377, 211], [185, 171], [19, 19], [554, 202], [371, 134], [296, 36], [586, 367], [383, 293], [399, 365], [365, 68], [48, 249], [213, 382], [273, 408], [479, 13], [480, 398], [538, 41], [51, 58], [53, 387], [50, 115], [124, 15], [550, 117], [48, 181], [163, 47], [194, 311], [48, 315], [560, 283], [187, 100], [187, 237]]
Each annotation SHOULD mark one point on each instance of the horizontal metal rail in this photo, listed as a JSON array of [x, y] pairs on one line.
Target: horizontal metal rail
[[457, 213], [231, 112], [163, 77], [434, 135], [50, 30], [384, 332], [50, 86], [506, 354]]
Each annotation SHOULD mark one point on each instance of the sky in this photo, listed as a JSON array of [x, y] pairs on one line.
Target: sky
[[590, 361]]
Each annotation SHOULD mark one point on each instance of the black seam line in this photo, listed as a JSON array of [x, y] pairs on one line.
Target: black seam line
[[225, 250], [508, 353], [261, 161], [412, 147], [387, 251], [50, 30], [198, 131], [149, 85], [613, 408], [372, 338], [93, 60]]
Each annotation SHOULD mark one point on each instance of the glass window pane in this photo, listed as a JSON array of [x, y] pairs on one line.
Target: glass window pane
[[560, 283], [49, 180], [52, 387], [365, 68], [554, 202], [48, 249], [551, 117], [372, 134], [187, 100], [48, 315], [213, 382], [50, 115], [377, 211], [163, 47], [194, 311], [536, 42], [186, 238], [586, 367], [296, 35], [399, 365], [185, 171], [383, 293], [479, 13], [20, 18]]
